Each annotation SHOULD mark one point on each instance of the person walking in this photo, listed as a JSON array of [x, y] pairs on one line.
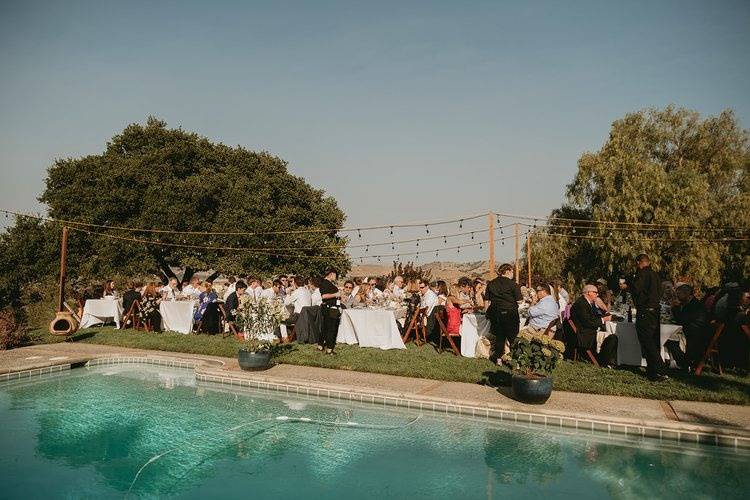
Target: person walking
[[331, 309], [646, 292]]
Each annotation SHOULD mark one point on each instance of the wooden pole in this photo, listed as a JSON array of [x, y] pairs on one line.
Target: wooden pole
[[528, 256], [63, 269], [518, 252], [491, 222]]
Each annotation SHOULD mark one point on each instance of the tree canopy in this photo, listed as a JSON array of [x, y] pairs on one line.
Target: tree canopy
[[678, 184], [153, 177]]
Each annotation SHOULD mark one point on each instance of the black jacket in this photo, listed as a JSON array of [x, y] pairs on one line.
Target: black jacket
[[693, 318], [128, 298], [231, 304], [586, 321], [646, 288]]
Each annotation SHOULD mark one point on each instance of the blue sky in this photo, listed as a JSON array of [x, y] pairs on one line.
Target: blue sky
[[402, 111]]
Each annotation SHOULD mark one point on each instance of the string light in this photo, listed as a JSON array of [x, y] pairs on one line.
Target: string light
[[427, 229]]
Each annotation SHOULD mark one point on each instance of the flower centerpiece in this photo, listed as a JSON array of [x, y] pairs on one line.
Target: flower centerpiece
[[533, 358], [258, 320]]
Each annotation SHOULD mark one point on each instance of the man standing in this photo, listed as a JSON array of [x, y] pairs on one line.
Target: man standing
[[692, 316], [646, 291], [330, 296], [504, 296]]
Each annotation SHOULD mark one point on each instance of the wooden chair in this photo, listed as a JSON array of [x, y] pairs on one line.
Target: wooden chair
[[549, 332], [449, 336], [417, 327], [712, 352], [132, 315], [590, 354]]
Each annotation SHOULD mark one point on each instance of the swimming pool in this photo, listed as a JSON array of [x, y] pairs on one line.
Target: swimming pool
[[139, 430]]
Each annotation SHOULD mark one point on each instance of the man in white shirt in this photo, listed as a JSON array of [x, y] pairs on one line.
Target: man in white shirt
[[317, 300], [300, 296], [398, 287], [271, 293], [254, 289], [193, 289], [429, 298], [231, 287], [170, 291]]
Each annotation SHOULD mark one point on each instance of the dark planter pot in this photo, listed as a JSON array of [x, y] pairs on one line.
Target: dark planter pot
[[534, 389], [254, 360]]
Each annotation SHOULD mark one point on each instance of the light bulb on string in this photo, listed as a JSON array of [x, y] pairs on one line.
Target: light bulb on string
[[480, 245], [436, 253], [445, 240], [367, 248], [458, 250], [461, 224], [391, 230], [359, 233], [472, 236], [427, 229], [417, 243], [393, 247]]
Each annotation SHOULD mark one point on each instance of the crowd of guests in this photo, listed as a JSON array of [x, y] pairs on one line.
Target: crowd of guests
[[545, 308]]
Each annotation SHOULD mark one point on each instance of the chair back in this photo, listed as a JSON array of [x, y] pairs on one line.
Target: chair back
[[552, 324]]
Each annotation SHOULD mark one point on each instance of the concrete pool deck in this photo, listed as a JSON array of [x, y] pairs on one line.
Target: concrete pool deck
[[728, 425]]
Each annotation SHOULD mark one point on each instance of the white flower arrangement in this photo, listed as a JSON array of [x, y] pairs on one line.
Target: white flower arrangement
[[258, 320]]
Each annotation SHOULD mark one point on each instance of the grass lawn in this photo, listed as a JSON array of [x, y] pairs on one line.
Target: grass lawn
[[425, 362]]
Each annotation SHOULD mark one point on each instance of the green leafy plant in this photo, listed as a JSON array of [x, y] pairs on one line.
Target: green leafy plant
[[12, 332], [258, 319], [534, 354]]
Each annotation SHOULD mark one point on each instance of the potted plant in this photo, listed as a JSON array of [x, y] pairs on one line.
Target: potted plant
[[533, 357], [258, 320]]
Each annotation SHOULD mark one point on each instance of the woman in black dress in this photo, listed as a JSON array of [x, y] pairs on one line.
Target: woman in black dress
[[504, 295]]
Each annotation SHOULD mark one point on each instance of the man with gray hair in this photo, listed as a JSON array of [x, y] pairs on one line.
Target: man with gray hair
[[585, 318]]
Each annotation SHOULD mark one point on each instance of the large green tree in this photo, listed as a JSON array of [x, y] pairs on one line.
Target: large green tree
[[153, 177], [658, 170]]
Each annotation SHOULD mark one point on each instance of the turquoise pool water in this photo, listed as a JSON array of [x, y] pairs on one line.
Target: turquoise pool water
[[144, 431]]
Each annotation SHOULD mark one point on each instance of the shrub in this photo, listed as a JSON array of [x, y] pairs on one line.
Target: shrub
[[534, 354], [12, 332]]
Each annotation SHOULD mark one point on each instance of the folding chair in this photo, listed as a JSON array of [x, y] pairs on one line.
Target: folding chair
[[549, 331], [712, 352], [590, 354], [417, 327], [444, 333], [132, 315]]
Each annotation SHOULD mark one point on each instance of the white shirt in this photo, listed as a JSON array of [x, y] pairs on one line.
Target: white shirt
[[231, 288], [398, 292], [268, 293], [300, 297], [171, 292], [429, 300], [191, 291], [316, 298], [254, 292]]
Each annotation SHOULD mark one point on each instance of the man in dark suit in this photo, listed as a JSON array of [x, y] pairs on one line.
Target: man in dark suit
[[646, 291], [689, 313], [233, 301], [586, 319]]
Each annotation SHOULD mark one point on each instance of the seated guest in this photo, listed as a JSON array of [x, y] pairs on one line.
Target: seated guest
[[453, 315], [149, 310], [465, 297], [398, 292], [347, 299], [131, 295], [231, 287], [543, 312], [232, 303], [357, 283], [314, 285], [441, 288], [587, 319], [298, 297], [689, 313], [376, 289], [603, 299], [206, 297], [479, 288], [272, 292], [734, 343], [429, 298], [284, 285], [109, 289], [193, 289], [254, 288], [363, 297], [623, 300], [170, 291]]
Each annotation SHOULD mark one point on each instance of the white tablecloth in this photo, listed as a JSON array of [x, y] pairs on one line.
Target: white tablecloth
[[177, 316], [98, 311], [628, 346], [370, 328], [473, 326]]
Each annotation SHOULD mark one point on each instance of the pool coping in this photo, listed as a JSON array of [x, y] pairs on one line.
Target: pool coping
[[212, 371]]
